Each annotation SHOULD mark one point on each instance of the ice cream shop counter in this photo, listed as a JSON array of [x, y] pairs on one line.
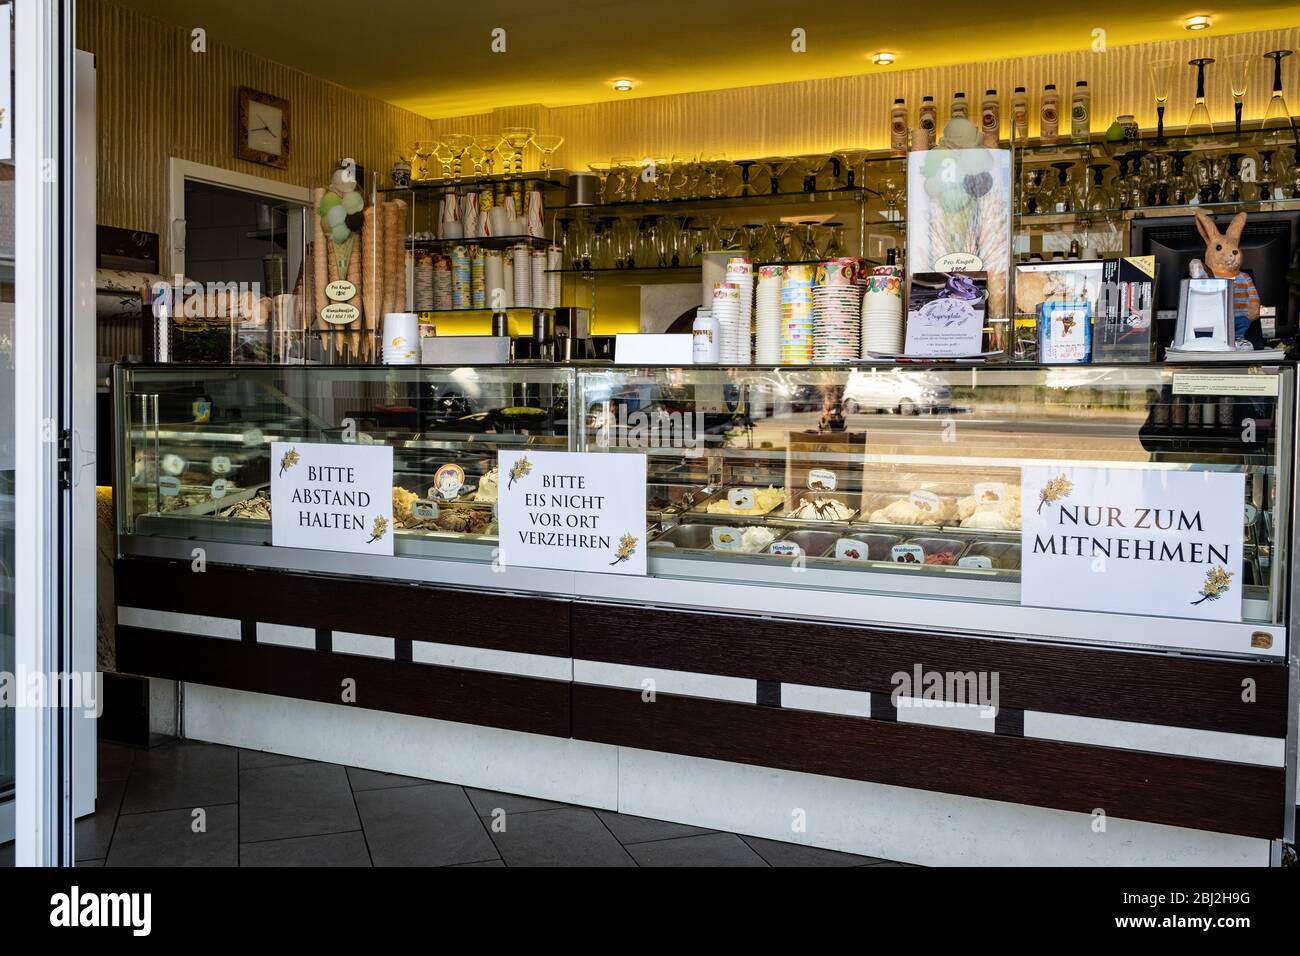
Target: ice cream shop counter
[[1044, 608]]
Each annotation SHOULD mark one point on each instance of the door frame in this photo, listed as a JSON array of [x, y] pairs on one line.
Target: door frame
[[181, 170]]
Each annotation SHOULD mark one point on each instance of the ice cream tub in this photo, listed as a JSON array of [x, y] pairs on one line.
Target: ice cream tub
[[999, 555], [746, 502], [813, 508], [864, 546], [812, 544], [752, 539]]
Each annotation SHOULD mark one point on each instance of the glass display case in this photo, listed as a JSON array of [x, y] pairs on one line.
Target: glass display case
[[900, 480]]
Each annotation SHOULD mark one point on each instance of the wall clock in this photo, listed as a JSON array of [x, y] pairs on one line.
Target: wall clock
[[262, 135]]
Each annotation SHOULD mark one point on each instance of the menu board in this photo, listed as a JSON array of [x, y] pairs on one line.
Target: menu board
[[332, 497], [1134, 540], [573, 511]]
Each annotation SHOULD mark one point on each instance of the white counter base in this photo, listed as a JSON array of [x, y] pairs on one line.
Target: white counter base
[[913, 826]]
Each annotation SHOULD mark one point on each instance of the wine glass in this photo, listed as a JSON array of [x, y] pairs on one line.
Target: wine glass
[[442, 153], [518, 138], [423, 149], [546, 144], [891, 190], [1097, 198], [488, 144], [852, 159], [1238, 79], [457, 144], [1276, 114], [1063, 193], [629, 172], [1267, 178], [1199, 122], [745, 166], [602, 171], [1181, 187], [1162, 72], [711, 164]]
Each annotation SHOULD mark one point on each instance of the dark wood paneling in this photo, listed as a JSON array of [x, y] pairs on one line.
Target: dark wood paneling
[[1178, 791], [1143, 687], [528, 704], [360, 605]]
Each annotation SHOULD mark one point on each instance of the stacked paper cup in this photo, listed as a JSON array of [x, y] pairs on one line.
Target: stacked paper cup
[[837, 312], [401, 344], [442, 283], [477, 280], [767, 316], [797, 315], [494, 279], [882, 312], [523, 273], [537, 261], [740, 273], [554, 262], [726, 309], [423, 282], [460, 278]]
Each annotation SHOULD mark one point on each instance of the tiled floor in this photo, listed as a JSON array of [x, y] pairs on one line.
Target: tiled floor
[[194, 804]]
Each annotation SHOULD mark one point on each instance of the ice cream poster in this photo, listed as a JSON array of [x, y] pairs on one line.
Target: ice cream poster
[[332, 497], [1133, 540], [572, 511]]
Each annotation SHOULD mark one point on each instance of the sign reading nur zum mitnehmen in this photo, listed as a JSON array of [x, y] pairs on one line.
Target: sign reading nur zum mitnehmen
[[332, 497], [1133, 540]]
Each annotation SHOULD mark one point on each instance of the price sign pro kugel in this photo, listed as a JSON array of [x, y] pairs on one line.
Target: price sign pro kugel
[[1133, 540], [332, 497], [572, 511]]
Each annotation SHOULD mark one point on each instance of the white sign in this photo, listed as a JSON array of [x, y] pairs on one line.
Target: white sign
[[332, 497], [572, 511], [1133, 540]]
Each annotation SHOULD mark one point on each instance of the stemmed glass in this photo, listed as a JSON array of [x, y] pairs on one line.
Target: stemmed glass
[[518, 138], [423, 150], [1063, 195], [1276, 114], [1181, 187], [891, 190], [745, 166], [1161, 76], [1199, 122], [456, 144], [1097, 198], [812, 167], [602, 171], [1239, 79], [487, 144], [546, 144], [712, 165], [629, 172], [852, 159], [1267, 177]]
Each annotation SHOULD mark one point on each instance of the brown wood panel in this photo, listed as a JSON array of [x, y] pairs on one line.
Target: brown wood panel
[[1177, 791], [396, 609], [527, 704], [1144, 687]]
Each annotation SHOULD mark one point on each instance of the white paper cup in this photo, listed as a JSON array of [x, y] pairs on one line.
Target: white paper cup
[[401, 342]]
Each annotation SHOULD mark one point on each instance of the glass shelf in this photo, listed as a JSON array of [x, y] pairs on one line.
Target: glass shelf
[[1224, 138], [1039, 219], [643, 270], [554, 179], [487, 242], [842, 194]]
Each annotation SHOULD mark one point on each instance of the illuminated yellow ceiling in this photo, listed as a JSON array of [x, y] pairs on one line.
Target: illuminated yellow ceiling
[[437, 58]]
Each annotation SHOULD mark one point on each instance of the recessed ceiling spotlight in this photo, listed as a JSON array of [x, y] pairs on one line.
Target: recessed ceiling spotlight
[[883, 59], [623, 86], [1197, 23]]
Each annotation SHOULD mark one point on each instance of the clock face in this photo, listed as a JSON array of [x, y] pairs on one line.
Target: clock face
[[265, 126]]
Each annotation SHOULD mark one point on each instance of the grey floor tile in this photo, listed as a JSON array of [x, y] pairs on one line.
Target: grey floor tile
[[630, 829], [329, 849], [430, 825], [167, 838], [91, 863], [295, 800], [480, 863], [260, 759], [709, 849], [889, 863], [374, 780], [794, 854], [95, 830], [181, 776], [487, 801], [114, 760], [570, 836]]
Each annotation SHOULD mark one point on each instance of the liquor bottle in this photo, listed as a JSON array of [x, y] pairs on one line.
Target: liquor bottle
[[991, 114], [898, 126], [1081, 111], [1020, 115], [706, 335], [1049, 114], [960, 108], [927, 118]]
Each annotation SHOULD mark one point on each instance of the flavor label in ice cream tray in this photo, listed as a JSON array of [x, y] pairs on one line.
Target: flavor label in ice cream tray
[[572, 511], [742, 499], [975, 561], [725, 539], [925, 501], [821, 479], [173, 464], [340, 290], [332, 497], [169, 486], [786, 549], [850, 549], [220, 465], [424, 510], [990, 493], [907, 554], [447, 482], [220, 488]]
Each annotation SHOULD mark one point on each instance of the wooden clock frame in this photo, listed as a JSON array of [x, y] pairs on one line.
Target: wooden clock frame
[[242, 149]]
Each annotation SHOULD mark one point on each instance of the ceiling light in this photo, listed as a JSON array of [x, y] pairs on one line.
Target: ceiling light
[[882, 59], [623, 86], [1197, 23]]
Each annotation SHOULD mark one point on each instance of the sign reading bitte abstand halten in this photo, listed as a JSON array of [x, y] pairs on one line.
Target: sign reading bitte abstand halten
[[572, 511], [332, 497], [1133, 540]]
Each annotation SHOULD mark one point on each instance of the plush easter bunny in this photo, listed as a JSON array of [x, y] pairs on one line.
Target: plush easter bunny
[[1223, 259]]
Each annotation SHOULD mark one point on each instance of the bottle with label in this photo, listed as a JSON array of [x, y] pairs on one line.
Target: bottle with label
[[991, 114], [706, 335], [928, 117], [960, 108], [898, 126], [1049, 114], [1081, 111], [1020, 115]]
